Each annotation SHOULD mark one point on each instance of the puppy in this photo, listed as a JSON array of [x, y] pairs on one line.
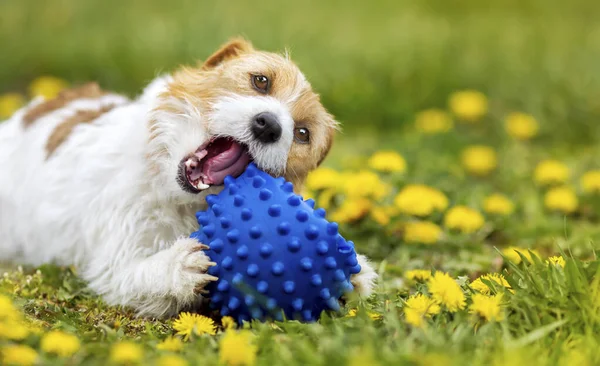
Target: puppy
[[111, 185]]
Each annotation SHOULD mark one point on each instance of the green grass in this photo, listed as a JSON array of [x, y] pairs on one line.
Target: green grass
[[376, 65]]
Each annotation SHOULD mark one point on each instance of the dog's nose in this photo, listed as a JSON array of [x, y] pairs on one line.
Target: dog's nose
[[266, 127]]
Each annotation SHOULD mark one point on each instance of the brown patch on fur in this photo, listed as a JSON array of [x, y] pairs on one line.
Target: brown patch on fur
[[63, 130], [229, 71], [86, 91]]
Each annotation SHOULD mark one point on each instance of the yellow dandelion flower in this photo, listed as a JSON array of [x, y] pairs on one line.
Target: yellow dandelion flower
[[417, 275], [126, 352], [521, 126], [512, 254], [188, 324], [480, 286], [325, 198], [7, 309], [423, 232], [172, 344], [380, 216], [557, 260], [351, 210], [479, 160], [371, 314], [20, 355], [487, 307], [445, 291], [418, 307], [387, 161], [420, 200], [365, 184], [498, 204], [237, 348], [59, 343], [432, 121], [9, 104], [171, 360], [463, 219], [47, 87], [468, 105], [550, 172], [562, 199], [590, 182], [323, 178], [228, 322], [14, 330]]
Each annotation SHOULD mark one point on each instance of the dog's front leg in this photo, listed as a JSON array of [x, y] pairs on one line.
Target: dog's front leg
[[364, 281], [157, 285]]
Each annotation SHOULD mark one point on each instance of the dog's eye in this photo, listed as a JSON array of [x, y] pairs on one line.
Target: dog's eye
[[302, 135], [261, 83]]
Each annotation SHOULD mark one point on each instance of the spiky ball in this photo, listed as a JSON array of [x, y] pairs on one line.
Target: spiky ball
[[276, 255]]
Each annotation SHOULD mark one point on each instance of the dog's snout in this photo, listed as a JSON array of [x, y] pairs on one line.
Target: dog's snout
[[266, 127]]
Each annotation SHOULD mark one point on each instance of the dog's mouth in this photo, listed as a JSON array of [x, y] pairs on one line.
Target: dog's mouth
[[211, 163]]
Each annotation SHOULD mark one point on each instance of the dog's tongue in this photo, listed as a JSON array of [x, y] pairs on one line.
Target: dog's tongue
[[224, 157]]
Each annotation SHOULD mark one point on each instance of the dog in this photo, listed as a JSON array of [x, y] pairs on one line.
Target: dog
[[111, 185]]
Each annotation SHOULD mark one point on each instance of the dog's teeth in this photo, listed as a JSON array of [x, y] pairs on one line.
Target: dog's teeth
[[201, 186]]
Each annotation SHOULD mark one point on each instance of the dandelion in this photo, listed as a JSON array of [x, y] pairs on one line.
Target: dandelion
[[463, 219], [521, 126], [14, 330], [171, 360], [512, 254], [188, 324], [418, 307], [172, 344], [9, 104], [432, 121], [19, 355], [487, 307], [590, 182], [323, 178], [562, 199], [380, 216], [387, 162], [236, 348], [420, 200], [550, 172], [479, 160], [325, 198], [351, 210], [498, 204], [7, 309], [418, 275], [445, 291], [59, 343], [468, 105], [47, 87], [364, 184], [228, 322], [126, 352], [556, 260], [371, 314], [483, 288], [424, 232]]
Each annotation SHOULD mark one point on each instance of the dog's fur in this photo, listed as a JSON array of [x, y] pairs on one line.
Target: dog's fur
[[91, 178]]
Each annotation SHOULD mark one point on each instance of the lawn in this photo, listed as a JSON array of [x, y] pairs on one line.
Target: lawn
[[468, 170]]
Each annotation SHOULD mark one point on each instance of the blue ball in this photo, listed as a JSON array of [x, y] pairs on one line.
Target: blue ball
[[276, 255]]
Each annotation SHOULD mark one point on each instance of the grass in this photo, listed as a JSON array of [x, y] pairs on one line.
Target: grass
[[376, 67]]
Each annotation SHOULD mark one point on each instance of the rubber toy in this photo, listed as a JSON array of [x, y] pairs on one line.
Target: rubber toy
[[276, 256]]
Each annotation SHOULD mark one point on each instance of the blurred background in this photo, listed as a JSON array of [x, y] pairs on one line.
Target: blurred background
[[374, 63]]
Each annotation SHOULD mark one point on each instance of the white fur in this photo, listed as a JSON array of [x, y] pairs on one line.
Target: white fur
[[99, 202]]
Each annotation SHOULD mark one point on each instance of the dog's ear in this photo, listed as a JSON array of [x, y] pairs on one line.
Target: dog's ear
[[233, 48]]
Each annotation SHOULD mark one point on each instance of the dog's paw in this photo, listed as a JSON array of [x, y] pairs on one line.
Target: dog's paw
[[192, 264], [364, 281]]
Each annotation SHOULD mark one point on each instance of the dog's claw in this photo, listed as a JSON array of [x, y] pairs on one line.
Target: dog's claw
[[212, 278], [212, 264]]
